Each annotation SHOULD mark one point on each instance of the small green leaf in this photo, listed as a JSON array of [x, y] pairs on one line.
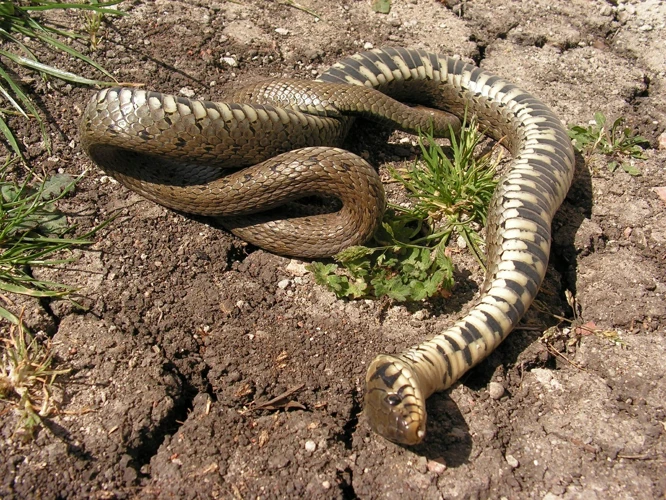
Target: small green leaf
[[339, 284], [388, 227], [381, 6], [9, 192], [599, 118], [398, 291], [357, 289], [417, 290], [612, 166], [631, 169], [617, 124], [57, 185], [321, 271], [54, 224]]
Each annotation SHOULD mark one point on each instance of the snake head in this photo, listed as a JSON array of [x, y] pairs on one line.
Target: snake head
[[394, 403]]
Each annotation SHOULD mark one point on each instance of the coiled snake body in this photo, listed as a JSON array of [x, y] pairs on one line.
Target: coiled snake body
[[285, 130]]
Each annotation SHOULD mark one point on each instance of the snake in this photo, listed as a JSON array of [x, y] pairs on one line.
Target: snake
[[288, 134]]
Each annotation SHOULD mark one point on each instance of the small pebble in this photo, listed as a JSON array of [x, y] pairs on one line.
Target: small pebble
[[367, 46], [496, 390], [282, 31], [310, 446], [606, 10], [231, 61], [512, 461], [187, 92], [436, 467], [326, 485], [297, 268], [313, 54], [283, 284], [420, 315]]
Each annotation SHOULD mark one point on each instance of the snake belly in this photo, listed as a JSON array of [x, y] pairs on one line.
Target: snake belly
[[518, 228]]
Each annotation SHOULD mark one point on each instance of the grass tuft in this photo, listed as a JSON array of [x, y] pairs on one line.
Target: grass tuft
[[408, 260], [615, 141], [21, 33], [26, 379], [33, 233]]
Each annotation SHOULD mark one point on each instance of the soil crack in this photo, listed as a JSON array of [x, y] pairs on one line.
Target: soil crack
[[344, 478], [152, 439]]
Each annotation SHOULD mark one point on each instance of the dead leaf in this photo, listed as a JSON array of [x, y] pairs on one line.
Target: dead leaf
[[244, 390], [263, 438], [294, 405], [586, 329]]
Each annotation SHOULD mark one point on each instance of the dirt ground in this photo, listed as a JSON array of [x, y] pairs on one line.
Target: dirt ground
[[184, 325]]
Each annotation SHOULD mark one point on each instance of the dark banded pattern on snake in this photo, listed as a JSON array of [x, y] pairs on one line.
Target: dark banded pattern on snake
[[125, 130], [518, 228]]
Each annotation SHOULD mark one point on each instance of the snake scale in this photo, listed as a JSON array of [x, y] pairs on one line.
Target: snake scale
[[171, 150]]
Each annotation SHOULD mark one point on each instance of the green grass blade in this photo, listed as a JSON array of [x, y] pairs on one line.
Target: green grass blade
[[4, 313], [31, 292], [33, 27], [7, 9], [10, 138], [100, 7], [50, 70], [8, 36], [72, 52], [13, 102], [20, 94]]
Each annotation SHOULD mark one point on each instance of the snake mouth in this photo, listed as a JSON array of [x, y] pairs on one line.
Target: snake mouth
[[393, 401]]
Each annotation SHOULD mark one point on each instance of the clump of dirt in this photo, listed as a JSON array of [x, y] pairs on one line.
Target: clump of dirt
[[186, 330]]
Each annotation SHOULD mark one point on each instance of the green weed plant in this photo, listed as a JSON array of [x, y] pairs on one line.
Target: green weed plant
[[407, 258], [615, 140]]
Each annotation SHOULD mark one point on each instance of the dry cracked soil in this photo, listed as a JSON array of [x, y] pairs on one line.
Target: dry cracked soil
[[184, 326]]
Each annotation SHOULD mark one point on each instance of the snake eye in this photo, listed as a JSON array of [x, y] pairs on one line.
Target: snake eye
[[393, 399]]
